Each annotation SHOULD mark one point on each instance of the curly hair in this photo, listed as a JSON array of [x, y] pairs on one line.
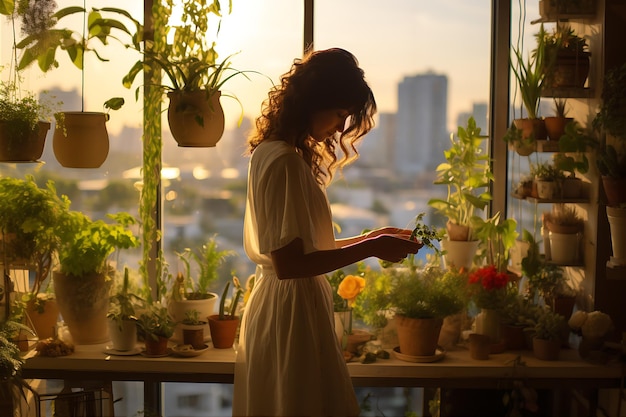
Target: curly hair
[[322, 80]]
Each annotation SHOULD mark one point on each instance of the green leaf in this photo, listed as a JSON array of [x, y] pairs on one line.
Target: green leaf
[[7, 7]]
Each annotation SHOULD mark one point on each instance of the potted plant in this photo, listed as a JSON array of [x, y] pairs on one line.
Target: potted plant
[[122, 316], [497, 237], [488, 289], [466, 175], [530, 77], [191, 289], [522, 144], [572, 158], [13, 387], [224, 325], [195, 76], [157, 326], [547, 338], [82, 280], [418, 299], [566, 57], [517, 320], [610, 120], [24, 124], [80, 138], [555, 125], [564, 227], [29, 215], [546, 179], [193, 329]]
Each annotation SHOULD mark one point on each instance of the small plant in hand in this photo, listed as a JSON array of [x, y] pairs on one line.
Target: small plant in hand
[[428, 235]]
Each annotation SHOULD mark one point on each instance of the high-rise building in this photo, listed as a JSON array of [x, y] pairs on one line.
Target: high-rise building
[[421, 133]]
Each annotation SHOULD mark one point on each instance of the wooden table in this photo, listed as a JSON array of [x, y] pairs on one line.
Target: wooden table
[[455, 370]]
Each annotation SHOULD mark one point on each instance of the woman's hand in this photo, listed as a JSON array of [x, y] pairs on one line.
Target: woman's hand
[[394, 247]]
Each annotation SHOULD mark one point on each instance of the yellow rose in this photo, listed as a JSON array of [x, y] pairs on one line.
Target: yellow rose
[[350, 287]]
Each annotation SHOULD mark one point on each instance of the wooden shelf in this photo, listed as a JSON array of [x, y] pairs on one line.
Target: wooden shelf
[[552, 200], [568, 92]]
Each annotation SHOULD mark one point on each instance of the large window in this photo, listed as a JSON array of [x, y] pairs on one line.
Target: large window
[[428, 64]]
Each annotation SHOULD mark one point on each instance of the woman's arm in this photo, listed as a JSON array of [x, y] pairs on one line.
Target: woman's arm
[[382, 231], [291, 262]]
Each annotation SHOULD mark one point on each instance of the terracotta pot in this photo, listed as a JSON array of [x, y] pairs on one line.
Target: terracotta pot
[[156, 347], [194, 335], [418, 337], [571, 188], [356, 339], [44, 322], [195, 119], [223, 332], [555, 126], [479, 346], [81, 139], [84, 303], [27, 148], [546, 350], [615, 190], [513, 337], [534, 127]]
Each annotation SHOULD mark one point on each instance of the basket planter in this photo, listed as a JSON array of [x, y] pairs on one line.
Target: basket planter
[[27, 147]]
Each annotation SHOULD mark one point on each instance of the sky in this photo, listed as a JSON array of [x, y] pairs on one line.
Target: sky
[[391, 39]]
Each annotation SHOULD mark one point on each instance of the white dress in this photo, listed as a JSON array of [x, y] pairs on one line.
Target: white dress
[[289, 362]]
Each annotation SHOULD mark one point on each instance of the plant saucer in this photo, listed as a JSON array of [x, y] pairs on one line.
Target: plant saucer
[[110, 351], [168, 352], [439, 354], [188, 352]]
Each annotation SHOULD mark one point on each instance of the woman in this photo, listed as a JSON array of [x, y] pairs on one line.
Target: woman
[[289, 362]]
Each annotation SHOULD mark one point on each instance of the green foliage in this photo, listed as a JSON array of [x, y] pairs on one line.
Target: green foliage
[[530, 74], [573, 145], [549, 325], [208, 260], [519, 310], [30, 215], [426, 234], [611, 116], [611, 162], [429, 292], [87, 244], [466, 174], [156, 321], [497, 237], [547, 282], [229, 313], [123, 301], [546, 171], [41, 45], [192, 317]]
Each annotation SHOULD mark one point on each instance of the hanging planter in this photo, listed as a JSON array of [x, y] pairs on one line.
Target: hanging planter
[[196, 118], [23, 146], [80, 139]]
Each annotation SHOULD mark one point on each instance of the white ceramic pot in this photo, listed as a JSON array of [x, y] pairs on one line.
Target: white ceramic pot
[[123, 334], [459, 253], [177, 310], [545, 189], [564, 247], [617, 223]]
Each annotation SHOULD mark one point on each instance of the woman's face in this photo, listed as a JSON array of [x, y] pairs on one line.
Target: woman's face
[[325, 123]]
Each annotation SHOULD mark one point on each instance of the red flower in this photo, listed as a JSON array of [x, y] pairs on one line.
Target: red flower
[[488, 286]]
